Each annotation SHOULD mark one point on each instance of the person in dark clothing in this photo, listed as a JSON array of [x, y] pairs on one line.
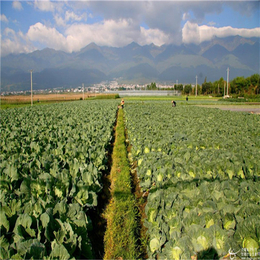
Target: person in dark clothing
[[173, 103], [187, 98]]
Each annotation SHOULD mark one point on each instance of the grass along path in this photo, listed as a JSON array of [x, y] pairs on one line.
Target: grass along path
[[120, 241]]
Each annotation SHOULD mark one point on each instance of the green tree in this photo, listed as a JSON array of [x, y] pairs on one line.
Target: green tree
[[199, 89], [221, 84], [152, 86], [255, 83], [254, 79], [178, 87], [240, 85], [207, 88], [218, 87], [187, 89]]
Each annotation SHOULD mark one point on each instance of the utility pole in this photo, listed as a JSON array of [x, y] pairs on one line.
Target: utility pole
[[83, 91], [224, 89], [196, 85], [227, 79], [31, 89]]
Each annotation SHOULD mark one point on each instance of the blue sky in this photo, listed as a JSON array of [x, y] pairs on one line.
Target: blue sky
[[70, 25]]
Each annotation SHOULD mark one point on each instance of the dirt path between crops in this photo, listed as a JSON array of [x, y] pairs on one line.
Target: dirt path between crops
[[97, 214], [254, 109]]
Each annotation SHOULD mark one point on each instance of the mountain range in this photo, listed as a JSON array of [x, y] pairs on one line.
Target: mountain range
[[132, 63]]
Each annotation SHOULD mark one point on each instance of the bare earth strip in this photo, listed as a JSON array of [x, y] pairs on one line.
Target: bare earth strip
[[255, 109], [44, 97]]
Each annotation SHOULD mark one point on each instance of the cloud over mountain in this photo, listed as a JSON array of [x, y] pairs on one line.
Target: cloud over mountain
[[133, 62], [71, 25], [193, 33]]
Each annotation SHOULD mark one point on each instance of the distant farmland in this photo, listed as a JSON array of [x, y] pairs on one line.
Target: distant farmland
[[25, 99]]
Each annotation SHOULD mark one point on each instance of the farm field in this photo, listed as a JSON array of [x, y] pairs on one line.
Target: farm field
[[42, 97], [201, 169], [204, 101], [52, 158], [198, 168], [14, 101]]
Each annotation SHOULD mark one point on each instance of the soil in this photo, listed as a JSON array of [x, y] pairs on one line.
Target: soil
[[46, 97], [252, 109]]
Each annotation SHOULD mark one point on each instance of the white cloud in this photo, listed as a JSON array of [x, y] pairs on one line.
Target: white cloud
[[3, 18], [185, 16], [9, 31], [15, 43], [59, 20], [167, 16], [121, 24], [211, 23], [107, 33], [155, 36], [44, 5], [193, 33], [190, 33], [47, 36], [113, 33], [17, 5], [69, 15]]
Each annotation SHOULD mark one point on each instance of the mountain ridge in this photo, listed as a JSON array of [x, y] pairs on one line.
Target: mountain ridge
[[167, 63]]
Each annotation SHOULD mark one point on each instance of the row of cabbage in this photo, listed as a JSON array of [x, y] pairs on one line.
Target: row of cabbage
[[201, 167], [51, 161]]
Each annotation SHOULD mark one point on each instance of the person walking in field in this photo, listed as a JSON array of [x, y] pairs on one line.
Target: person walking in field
[[122, 103], [173, 103]]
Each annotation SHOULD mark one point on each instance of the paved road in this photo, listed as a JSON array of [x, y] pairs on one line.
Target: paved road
[[254, 109]]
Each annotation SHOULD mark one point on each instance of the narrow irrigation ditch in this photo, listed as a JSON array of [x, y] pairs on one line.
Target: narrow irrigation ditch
[[97, 213], [118, 231], [122, 234]]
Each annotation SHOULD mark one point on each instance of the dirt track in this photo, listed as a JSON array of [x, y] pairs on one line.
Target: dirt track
[[254, 109], [46, 97]]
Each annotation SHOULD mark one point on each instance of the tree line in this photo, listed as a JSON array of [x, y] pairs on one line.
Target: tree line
[[239, 86]]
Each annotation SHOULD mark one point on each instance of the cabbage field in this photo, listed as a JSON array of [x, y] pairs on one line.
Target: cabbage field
[[51, 162], [201, 168]]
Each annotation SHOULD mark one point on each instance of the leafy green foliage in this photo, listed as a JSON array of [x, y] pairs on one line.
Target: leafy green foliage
[[51, 162], [202, 171], [152, 86]]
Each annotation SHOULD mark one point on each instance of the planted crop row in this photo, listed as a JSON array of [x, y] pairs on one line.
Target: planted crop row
[[51, 162], [201, 167]]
